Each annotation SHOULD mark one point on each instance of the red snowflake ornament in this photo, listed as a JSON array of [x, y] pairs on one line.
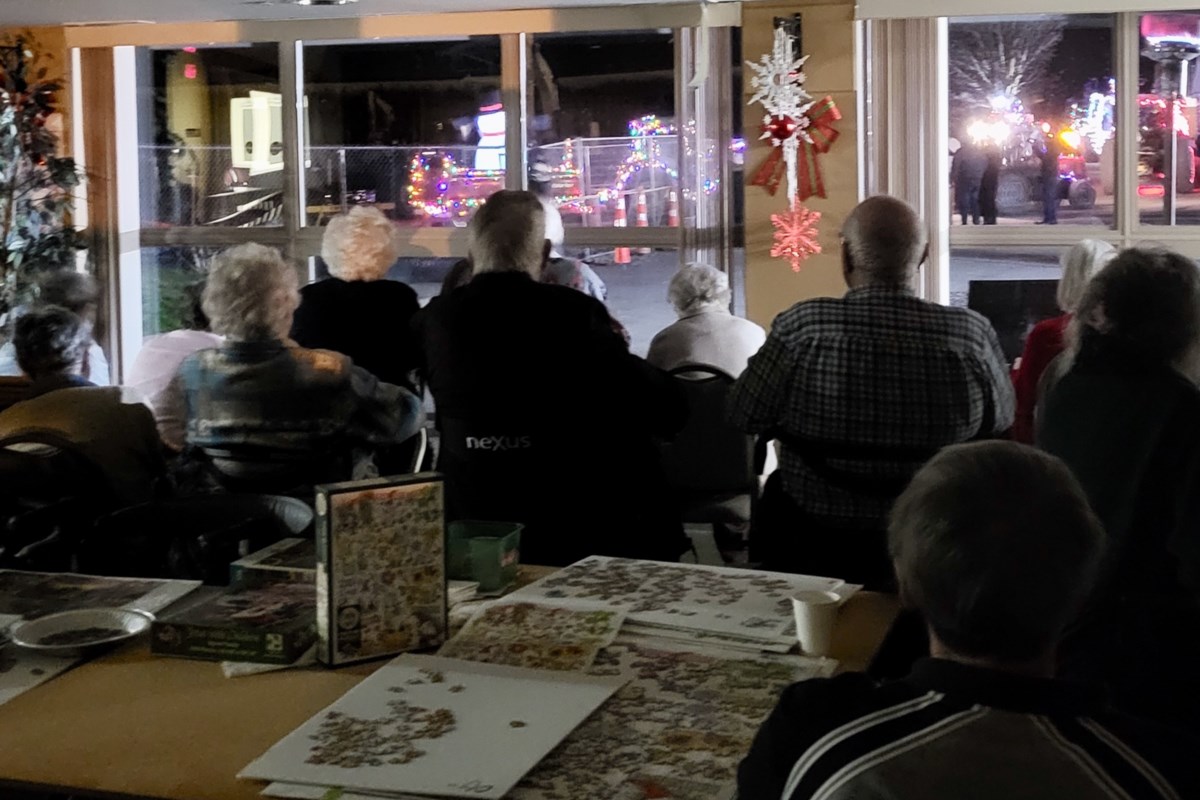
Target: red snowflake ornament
[[796, 235]]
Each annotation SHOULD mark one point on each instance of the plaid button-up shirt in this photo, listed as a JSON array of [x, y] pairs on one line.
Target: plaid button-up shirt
[[877, 369]]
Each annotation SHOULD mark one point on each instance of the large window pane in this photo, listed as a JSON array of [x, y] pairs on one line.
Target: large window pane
[[601, 128], [414, 128], [1167, 119], [1013, 287], [168, 273], [1031, 119], [211, 136]]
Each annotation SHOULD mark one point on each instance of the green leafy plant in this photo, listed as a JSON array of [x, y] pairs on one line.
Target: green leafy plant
[[36, 184]]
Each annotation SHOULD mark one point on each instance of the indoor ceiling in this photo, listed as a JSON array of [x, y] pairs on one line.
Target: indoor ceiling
[[16, 13]]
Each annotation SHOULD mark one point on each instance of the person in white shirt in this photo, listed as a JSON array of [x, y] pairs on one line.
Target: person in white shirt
[[154, 377], [706, 332]]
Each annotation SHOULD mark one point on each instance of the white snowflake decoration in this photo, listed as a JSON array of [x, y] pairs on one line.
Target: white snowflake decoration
[[778, 83]]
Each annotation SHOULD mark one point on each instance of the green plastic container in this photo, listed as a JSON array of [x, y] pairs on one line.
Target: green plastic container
[[487, 552]]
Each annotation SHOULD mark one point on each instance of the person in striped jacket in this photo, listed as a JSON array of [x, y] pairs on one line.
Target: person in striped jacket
[[994, 543]]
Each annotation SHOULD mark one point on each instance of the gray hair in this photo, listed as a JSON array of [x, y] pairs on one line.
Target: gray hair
[[1079, 264], [508, 234], [699, 287], [884, 238], [1148, 300], [360, 245], [50, 340], [556, 234], [77, 292], [995, 544], [251, 293]]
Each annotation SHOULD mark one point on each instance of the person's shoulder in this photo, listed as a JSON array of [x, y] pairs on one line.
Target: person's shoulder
[[807, 312], [324, 364], [1168, 751]]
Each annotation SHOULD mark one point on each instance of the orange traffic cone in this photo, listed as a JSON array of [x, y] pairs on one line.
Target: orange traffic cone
[[673, 210], [621, 254], [642, 220]]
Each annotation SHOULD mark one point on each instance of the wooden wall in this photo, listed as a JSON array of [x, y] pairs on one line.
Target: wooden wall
[[828, 40]]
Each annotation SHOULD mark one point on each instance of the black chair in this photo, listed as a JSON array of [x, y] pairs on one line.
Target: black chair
[[710, 464], [13, 390], [192, 538], [50, 494]]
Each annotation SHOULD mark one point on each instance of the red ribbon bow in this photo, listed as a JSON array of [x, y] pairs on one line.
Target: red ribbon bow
[[820, 129]]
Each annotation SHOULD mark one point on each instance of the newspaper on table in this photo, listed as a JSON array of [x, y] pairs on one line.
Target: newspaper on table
[[28, 595]]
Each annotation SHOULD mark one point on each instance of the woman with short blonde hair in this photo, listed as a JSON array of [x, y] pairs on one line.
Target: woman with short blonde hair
[[357, 311]]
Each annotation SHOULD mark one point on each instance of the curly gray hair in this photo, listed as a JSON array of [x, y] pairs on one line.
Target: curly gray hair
[[251, 293], [699, 287], [360, 245]]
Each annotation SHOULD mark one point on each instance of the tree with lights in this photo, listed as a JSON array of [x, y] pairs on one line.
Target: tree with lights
[[1000, 59], [36, 184]]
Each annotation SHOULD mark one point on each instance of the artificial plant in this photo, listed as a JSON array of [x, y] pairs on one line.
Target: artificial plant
[[36, 183]]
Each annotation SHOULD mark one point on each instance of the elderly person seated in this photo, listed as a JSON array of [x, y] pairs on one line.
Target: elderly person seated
[[265, 411], [154, 379], [1126, 419], [356, 311], [1046, 339], [995, 544], [861, 390], [562, 271], [79, 294], [706, 333], [545, 417], [51, 343]]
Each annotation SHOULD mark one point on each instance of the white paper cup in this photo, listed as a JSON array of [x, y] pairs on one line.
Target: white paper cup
[[816, 613]]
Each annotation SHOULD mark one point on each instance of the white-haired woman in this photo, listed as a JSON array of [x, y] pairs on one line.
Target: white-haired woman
[[1046, 339], [356, 311], [267, 412], [706, 332], [562, 271]]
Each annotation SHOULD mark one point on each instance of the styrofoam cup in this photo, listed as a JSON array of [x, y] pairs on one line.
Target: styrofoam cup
[[816, 613]]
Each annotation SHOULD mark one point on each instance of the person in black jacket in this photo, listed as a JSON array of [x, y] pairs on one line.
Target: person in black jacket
[[545, 417], [994, 543], [356, 311], [1126, 418]]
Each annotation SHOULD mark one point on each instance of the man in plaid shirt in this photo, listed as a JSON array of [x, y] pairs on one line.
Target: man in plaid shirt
[[861, 391]]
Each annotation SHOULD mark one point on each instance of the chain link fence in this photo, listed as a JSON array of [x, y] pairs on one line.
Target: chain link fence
[[439, 186]]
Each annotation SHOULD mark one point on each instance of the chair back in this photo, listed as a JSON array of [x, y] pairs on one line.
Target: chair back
[[709, 456], [13, 390], [192, 538], [51, 495]]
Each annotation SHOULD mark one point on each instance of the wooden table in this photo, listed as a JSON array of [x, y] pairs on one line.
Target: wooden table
[[135, 725]]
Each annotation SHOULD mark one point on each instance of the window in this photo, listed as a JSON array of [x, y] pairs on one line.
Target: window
[[1168, 187], [1031, 110], [1014, 288], [210, 136], [416, 129], [602, 133], [169, 276]]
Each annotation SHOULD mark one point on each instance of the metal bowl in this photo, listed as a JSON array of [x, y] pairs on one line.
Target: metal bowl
[[75, 633]]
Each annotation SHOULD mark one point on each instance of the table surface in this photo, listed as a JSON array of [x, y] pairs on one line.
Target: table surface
[[134, 724]]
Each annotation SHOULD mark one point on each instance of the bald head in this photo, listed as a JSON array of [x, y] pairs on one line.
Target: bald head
[[883, 242]]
